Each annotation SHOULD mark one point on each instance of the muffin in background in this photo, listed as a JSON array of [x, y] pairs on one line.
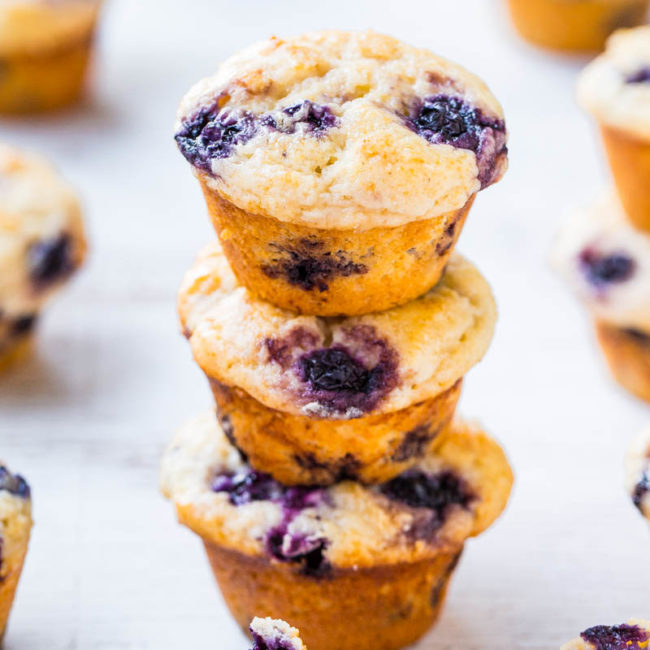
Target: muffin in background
[[633, 635], [41, 245], [270, 634], [637, 473], [15, 529], [574, 25], [353, 567], [606, 262], [615, 89], [339, 167], [45, 50]]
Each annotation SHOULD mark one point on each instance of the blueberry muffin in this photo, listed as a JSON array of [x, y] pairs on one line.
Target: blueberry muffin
[[45, 47], [339, 167], [41, 244], [269, 634], [574, 25], [352, 567], [15, 527], [313, 400], [615, 88], [634, 635], [638, 473], [606, 262]]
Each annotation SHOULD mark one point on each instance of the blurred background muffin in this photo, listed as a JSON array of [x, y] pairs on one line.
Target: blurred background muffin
[[45, 49]]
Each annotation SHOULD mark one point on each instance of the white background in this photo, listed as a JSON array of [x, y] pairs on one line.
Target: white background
[[87, 418]]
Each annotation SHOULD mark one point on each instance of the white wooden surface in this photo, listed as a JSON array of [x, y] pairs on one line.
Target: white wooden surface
[[86, 420]]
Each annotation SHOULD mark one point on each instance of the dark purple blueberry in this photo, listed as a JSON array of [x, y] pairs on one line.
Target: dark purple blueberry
[[641, 489], [50, 260], [23, 325], [335, 370], [444, 119], [247, 486], [314, 118], [640, 76], [214, 133], [14, 483], [436, 493], [281, 351], [617, 637], [601, 270], [298, 549], [307, 267], [414, 444], [275, 643]]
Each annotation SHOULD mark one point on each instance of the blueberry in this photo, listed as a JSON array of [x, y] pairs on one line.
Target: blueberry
[[214, 133], [640, 76], [13, 483], [437, 493], [444, 119], [274, 643], [642, 488], [314, 118], [23, 325], [247, 486], [601, 270], [50, 260], [333, 369], [618, 637], [306, 551]]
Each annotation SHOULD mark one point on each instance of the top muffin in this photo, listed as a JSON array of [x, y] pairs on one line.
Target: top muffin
[[35, 25], [338, 129], [615, 87]]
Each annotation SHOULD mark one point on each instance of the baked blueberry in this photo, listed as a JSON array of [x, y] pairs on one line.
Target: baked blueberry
[[615, 637], [640, 76], [13, 483], [50, 260], [602, 270]]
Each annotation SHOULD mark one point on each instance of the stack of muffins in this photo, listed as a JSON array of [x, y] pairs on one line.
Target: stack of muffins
[[604, 250], [335, 324]]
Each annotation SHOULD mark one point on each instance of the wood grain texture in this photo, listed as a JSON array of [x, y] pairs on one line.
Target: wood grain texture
[[87, 418]]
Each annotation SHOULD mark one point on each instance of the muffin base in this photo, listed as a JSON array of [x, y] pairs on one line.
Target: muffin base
[[628, 355], [330, 272], [32, 82], [7, 593], [298, 450], [581, 26], [629, 159], [378, 608], [16, 351]]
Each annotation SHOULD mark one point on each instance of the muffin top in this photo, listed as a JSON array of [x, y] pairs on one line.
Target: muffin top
[[454, 494], [33, 25], [41, 232], [270, 634], [607, 263], [15, 519], [637, 472], [633, 635], [615, 87], [336, 368], [343, 130]]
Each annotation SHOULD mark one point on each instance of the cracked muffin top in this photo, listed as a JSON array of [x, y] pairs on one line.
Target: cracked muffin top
[[336, 368], [634, 635], [15, 519], [270, 634], [32, 25], [343, 130], [606, 262], [615, 87], [449, 496], [41, 232], [637, 472]]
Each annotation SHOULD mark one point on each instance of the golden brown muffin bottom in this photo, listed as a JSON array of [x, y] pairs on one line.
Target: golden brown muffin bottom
[[378, 608], [298, 450], [330, 272], [14, 352], [628, 355], [629, 159], [32, 82], [577, 25], [8, 587]]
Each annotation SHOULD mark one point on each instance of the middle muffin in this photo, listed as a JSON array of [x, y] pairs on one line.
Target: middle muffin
[[313, 400]]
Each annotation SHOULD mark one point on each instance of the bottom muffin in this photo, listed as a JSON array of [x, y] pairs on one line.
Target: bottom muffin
[[634, 635], [15, 527], [270, 634], [353, 567], [628, 354], [637, 473]]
